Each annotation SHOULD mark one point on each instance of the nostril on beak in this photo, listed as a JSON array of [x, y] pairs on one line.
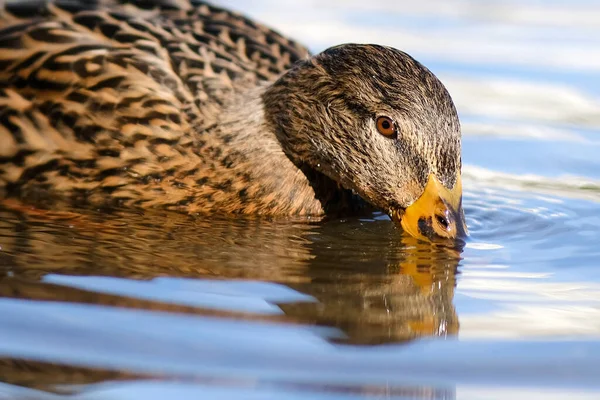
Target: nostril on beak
[[443, 221]]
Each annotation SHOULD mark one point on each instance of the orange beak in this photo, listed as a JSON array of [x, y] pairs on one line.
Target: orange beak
[[436, 215]]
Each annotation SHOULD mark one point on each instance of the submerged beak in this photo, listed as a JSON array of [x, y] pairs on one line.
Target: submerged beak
[[437, 214]]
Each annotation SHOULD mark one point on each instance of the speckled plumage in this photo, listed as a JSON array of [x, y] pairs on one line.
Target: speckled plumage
[[182, 105]]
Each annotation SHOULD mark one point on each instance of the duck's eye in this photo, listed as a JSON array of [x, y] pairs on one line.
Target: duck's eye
[[386, 126]]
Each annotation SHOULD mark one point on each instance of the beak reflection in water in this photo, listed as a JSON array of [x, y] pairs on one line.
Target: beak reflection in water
[[436, 216]]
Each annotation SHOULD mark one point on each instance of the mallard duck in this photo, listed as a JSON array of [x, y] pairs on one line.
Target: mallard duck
[[182, 105]]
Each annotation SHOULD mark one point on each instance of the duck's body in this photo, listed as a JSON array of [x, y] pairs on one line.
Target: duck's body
[[181, 105], [116, 103]]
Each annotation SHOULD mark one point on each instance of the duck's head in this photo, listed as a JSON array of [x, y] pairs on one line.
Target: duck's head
[[376, 121]]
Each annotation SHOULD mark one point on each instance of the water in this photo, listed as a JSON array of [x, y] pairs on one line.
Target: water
[[127, 305]]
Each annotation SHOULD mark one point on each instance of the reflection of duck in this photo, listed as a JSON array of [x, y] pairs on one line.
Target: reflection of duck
[[386, 290], [183, 105], [60, 379], [408, 297]]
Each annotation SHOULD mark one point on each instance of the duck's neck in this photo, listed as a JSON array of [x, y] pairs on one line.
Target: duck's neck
[[265, 179]]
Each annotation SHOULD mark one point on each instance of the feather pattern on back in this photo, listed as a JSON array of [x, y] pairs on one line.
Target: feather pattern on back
[[109, 98]]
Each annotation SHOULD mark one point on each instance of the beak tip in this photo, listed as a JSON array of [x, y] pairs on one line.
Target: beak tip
[[436, 216]]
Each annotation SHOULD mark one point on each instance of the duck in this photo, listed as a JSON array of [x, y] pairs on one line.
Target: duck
[[183, 105]]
